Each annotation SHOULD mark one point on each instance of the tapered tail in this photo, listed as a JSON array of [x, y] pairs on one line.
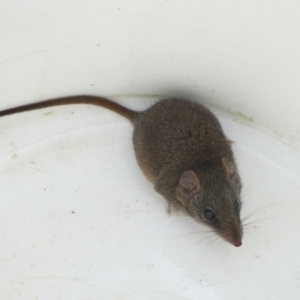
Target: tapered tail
[[92, 100]]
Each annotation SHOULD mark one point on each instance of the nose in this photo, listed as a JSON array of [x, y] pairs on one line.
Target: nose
[[233, 236], [237, 243]]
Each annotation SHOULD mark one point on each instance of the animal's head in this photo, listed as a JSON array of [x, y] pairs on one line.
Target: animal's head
[[213, 198]]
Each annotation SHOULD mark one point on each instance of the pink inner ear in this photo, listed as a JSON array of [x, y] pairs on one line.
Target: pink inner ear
[[189, 182], [228, 168], [188, 186]]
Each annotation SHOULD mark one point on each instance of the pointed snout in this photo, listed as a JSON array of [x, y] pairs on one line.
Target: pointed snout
[[237, 243], [234, 237]]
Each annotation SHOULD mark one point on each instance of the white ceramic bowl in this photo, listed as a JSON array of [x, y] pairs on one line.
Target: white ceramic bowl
[[78, 220]]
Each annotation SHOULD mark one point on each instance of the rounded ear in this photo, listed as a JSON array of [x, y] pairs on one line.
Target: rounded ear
[[188, 185], [228, 168]]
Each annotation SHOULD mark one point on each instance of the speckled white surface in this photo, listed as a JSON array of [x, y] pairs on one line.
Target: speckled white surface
[[77, 218]]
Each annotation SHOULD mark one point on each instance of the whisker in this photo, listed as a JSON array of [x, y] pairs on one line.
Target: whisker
[[217, 237], [259, 221], [244, 194], [186, 219], [256, 210], [205, 238], [254, 227], [208, 237], [188, 234], [192, 222], [191, 233], [246, 189], [253, 212]]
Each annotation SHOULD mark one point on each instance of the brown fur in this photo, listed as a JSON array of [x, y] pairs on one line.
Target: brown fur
[[182, 150]]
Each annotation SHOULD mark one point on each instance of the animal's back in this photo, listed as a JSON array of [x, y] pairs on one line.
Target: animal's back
[[177, 133]]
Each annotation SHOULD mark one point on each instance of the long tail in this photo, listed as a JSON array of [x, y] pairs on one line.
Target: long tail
[[93, 100]]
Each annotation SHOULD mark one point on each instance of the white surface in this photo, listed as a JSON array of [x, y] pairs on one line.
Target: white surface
[[78, 220]]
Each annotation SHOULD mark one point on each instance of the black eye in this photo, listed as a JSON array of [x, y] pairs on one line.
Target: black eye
[[209, 215], [236, 205]]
